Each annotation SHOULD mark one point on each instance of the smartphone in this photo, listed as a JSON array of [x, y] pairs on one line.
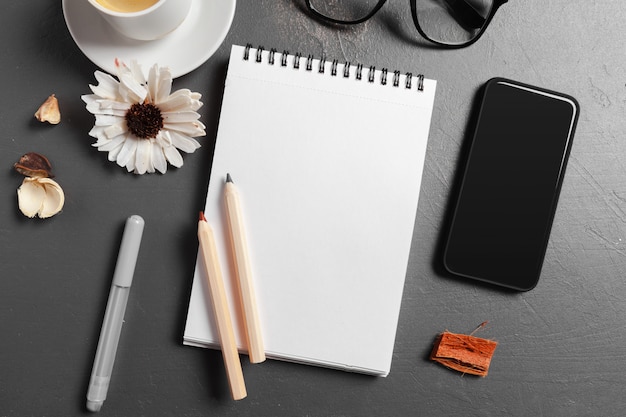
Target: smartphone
[[509, 190]]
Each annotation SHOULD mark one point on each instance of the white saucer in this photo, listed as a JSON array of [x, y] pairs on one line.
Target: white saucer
[[183, 50]]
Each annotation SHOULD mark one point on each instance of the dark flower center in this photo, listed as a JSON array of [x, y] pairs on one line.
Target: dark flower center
[[144, 120]]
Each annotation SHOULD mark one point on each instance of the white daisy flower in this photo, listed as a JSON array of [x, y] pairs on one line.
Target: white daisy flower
[[139, 123]]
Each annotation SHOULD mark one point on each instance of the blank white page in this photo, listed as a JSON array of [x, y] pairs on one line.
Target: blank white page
[[328, 170]]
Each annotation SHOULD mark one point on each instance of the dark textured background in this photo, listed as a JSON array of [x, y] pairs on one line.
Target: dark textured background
[[562, 348]]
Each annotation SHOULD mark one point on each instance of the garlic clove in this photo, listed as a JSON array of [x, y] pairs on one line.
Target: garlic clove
[[49, 111], [30, 197], [40, 196]]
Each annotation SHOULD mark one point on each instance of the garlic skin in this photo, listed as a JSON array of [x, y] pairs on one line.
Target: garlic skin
[[49, 111], [39, 196]]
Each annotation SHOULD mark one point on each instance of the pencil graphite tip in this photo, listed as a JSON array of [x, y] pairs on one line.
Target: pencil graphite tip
[[202, 218], [229, 178]]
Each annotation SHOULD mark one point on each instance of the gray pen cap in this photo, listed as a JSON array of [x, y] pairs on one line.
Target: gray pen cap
[[129, 249]]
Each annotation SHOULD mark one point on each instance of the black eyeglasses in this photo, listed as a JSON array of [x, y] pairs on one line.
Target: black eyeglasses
[[447, 23]]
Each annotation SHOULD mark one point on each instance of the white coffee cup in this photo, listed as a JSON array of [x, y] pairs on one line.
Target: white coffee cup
[[156, 20]]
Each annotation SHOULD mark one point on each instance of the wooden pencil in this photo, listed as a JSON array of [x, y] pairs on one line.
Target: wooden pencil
[[256, 350], [208, 252]]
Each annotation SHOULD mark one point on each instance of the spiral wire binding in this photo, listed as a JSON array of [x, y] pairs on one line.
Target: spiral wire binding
[[371, 76], [296, 60], [333, 67], [322, 65]]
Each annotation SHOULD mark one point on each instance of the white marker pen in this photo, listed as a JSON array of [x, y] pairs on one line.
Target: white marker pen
[[114, 314]]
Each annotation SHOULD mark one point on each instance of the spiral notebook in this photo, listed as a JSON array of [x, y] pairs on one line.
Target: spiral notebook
[[328, 160]]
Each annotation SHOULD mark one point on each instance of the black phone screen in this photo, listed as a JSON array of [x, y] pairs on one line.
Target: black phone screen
[[507, 199]]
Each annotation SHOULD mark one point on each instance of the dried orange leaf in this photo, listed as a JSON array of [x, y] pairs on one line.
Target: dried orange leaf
[[464, 353]]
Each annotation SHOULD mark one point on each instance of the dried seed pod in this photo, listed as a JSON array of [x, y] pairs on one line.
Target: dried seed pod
[[35, 165], [41, 197], [49, 111]]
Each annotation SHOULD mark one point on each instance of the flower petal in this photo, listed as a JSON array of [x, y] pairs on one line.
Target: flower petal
[[190, 129], [107, 85], [176, 103], [137, 72], [111, 144], [171, 153], [180, 117], [107, 119], [113, 153], [130, 165], [108, 107], [180, 100], [127, 152], [97, 131], [103, 92], [100, 143], [158, 159], [94, 108], [165, 85], [143, 156], [184, 143], [131, 89], [159, 83], [173, 156], [115, 129], [89, 98]]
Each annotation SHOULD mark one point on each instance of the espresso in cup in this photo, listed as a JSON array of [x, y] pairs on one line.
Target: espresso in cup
[[127, 6]]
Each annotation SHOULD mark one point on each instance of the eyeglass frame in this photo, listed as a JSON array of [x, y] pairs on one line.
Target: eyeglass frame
[[461, 3]]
